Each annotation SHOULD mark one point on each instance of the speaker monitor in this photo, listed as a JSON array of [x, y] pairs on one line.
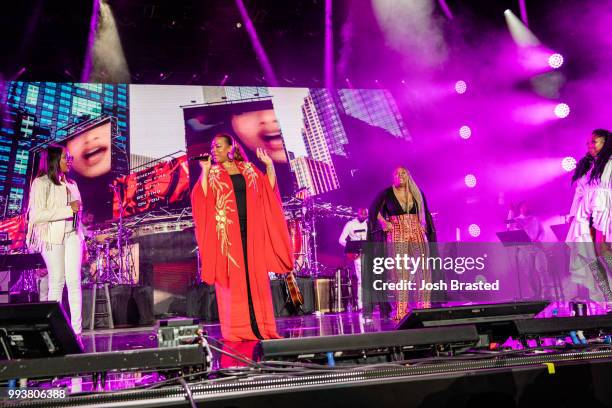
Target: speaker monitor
[[349, 346], [471, 314], [35, 330]]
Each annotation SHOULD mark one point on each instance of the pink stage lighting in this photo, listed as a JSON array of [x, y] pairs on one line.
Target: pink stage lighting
[[470, 180], [460, 87], [555, 61], [474, 230], [562, 110], [568, 163], [465, 132]]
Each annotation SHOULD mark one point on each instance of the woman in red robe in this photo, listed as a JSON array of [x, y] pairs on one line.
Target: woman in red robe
[[242, 235]]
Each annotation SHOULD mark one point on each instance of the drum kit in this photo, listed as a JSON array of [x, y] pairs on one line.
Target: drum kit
[[109, 256], [302, 215]]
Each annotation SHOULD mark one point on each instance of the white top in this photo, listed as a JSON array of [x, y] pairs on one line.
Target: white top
[[354, 229], [592, 201], [49, 214]]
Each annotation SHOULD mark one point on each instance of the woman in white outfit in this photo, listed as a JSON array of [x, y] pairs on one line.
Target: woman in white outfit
[[591, 216], [52, 230]]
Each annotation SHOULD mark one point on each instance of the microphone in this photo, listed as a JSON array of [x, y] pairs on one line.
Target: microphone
[[75, 220], [201, 157]]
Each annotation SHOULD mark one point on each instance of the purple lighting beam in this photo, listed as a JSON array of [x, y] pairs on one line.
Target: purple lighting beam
[[329, 46], [257, 47]]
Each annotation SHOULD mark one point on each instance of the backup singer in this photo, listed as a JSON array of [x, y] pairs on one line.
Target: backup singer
[[400, 217], [54, 202], [591, 212], [242, 235]]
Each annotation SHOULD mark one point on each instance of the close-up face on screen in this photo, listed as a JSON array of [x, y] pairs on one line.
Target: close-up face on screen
[[260, 129], [370, 203], [91, 151]]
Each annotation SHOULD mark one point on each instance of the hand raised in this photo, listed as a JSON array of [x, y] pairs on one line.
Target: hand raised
[[263, 156]]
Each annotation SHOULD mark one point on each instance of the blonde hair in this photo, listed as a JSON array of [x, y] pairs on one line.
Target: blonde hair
[[416, 194]]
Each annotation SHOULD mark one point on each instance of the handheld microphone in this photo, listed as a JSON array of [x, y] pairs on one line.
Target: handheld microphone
[[201, 157], [75, 220]]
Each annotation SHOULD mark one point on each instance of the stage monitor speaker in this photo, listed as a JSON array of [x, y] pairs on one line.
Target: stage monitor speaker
[[358, 346], [35, 330], [471, 314], [494, 322], [560, 326]]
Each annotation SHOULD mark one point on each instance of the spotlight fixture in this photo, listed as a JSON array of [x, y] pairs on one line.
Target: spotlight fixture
[[555, 60], [470, 180], [568, 163], [465, 132], [474, 230], [562, 110], [460, 87]]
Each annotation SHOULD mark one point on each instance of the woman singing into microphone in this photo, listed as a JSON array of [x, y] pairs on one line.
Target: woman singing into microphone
[[53, 228], [242, 235]]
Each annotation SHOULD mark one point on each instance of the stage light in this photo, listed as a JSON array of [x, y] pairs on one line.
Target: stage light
[[568, 163], [403, 81], [521, 34], [328, 56], [555, 61], [562, 110], [460, 87], [474, 230], [465, 132], [260, 52], [104, 58], [445, 9], [239, 25], [224, 80], [470, 180], [19, 73]]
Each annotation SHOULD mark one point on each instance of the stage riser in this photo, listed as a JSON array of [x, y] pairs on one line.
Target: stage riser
[[584, 385], [574, 384]]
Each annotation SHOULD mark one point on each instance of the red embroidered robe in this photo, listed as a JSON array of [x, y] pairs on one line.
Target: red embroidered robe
[[222, 258]]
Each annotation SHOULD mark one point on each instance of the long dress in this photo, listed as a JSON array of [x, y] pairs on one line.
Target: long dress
[[408, 238], [242, 235]]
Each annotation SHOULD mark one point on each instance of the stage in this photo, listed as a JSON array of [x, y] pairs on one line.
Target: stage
[[516, 374], [416, 196], [291, 327], [312, 325]]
